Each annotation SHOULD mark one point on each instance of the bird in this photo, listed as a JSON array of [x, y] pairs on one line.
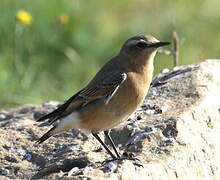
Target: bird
[[117, 89]]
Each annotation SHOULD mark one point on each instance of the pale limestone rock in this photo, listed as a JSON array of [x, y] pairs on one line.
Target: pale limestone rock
[[178, 139]]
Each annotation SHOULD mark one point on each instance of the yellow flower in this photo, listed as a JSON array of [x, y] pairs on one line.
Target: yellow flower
[[24, 17], [63, 18]]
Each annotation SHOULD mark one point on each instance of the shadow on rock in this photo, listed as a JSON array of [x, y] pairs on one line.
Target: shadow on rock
[[66, 166]]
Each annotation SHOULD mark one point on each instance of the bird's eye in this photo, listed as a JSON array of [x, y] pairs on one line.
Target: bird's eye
[[141, 45]]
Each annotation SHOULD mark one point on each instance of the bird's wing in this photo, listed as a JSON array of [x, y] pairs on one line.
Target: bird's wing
[[104, 88], [60, 109]]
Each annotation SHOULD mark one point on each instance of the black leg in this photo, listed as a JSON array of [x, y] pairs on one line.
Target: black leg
[[113, 145], [107, 134], [103, 144]]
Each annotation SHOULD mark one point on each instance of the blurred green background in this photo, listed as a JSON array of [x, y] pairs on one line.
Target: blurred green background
[[54, 54]]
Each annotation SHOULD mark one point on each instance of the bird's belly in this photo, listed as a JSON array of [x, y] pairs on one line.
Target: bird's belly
[[100, 116]]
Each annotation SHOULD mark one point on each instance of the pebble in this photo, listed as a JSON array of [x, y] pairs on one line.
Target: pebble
[[154, 92], [166, 70], [2, 116], [25, 110], [73, 170], [169, 139], [75, 148], [49, 103], [23, 153], [87, 169], [28, 156], [165, 107], [137, 137], [3, 171], [150, 112], [176, 68], [110, 167]]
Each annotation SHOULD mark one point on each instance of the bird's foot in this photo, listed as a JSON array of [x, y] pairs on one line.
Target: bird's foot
[[125, 156]]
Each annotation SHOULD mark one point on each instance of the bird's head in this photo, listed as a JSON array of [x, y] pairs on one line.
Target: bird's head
[[142, 45]]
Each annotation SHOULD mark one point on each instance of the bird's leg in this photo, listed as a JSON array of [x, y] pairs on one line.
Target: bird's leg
[[107, 134], [103, 144], [126, 157], [114, 158]]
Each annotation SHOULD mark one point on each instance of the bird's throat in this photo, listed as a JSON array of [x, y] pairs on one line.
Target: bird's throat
[[144, 65]]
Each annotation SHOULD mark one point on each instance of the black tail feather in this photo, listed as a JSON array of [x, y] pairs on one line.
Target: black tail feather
[[47, 116], [46, 136], [57, 112]]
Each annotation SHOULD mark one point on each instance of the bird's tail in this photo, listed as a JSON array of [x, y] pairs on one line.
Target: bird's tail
[[69, 122], [47, 135]]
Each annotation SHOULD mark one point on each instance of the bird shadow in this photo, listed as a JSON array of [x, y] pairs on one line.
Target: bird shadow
[[66, 166]]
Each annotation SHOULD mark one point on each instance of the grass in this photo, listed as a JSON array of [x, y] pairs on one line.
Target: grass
[[50, 59]]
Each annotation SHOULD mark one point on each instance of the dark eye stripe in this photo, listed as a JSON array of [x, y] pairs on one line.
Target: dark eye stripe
[[142, 44]]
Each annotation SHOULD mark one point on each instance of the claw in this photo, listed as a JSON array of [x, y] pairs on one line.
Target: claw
[[124, 158]]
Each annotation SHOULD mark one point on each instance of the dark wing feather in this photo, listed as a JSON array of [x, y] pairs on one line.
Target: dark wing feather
[[59, 110], [45, 136], [104, 88]]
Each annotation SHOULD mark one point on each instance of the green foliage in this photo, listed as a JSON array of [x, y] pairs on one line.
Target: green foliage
[[68, 40]]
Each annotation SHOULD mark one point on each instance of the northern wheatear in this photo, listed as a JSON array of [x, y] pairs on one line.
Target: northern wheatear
[[112, 95]]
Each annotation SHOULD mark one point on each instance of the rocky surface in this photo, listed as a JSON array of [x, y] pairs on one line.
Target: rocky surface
[[174, 135]]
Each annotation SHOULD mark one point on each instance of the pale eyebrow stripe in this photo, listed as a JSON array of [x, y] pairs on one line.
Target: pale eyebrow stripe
[[142, 40]]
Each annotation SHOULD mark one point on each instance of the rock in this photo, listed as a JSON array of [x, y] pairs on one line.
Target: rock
[[4, 172], [174, 135], [2, 117]]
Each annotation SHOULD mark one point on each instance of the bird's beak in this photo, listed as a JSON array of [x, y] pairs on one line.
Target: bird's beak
[[159, 44]]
